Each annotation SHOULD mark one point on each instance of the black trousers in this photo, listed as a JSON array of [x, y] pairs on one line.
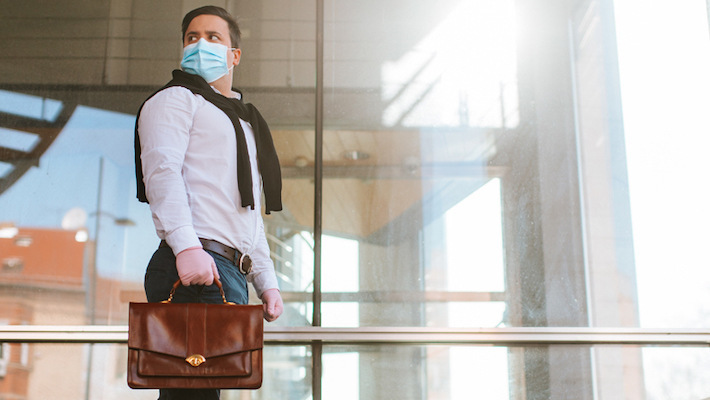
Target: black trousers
[[160, 276]]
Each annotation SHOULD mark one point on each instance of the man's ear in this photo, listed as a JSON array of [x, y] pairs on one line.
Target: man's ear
[[237, 56]]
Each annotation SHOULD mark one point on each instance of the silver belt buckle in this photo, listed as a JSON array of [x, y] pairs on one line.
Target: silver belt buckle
[[245, 264]]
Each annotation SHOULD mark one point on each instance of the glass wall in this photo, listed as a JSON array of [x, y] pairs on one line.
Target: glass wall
[[448, 164], [452, 372], [413, 115]]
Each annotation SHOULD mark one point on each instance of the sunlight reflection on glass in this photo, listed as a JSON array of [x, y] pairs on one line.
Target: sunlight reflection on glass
[[446, 81]]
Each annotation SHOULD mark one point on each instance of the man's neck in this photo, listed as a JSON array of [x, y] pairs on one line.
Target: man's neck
[[224, 85]]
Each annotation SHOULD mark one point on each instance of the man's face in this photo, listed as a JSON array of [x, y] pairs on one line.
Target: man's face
[[213, 29]]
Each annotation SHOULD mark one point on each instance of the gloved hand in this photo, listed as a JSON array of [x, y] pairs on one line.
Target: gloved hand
[[273, 305], [196, 267]]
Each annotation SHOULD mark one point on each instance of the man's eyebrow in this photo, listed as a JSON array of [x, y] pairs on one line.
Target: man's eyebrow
[[207, 32]]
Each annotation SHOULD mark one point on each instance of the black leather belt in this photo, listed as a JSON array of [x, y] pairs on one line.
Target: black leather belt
[[242, 261]]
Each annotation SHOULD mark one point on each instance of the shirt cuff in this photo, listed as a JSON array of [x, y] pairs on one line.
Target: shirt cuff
[[182, 238], [263, 281]]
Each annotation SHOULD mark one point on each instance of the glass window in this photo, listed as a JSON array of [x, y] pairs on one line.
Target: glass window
[[412, 118], [484, 163], [663, 99]]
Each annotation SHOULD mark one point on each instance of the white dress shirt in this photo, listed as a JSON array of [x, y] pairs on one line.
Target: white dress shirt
[[189, 157]]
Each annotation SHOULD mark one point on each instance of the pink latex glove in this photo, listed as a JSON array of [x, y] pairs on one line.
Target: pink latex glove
[[196, 267], [273, 305]]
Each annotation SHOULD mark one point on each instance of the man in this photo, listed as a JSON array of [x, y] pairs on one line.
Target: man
[[201, 158]]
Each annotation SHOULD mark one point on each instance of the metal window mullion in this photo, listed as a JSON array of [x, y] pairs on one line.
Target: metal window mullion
[[317, 346], [318, 173]]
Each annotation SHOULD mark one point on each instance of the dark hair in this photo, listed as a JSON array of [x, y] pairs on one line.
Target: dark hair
[[234, 33]]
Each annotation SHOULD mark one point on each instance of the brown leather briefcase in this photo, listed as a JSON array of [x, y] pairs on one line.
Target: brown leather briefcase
[[195, 345]]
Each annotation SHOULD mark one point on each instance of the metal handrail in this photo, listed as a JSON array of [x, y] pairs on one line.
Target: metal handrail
[[118, 334]]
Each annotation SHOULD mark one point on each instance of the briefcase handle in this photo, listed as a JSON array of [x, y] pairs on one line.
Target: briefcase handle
[[179, 282]]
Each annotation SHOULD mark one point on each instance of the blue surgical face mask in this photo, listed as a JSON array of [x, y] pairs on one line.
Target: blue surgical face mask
[[206, 59]]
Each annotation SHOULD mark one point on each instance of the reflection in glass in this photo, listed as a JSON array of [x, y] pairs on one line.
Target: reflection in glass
[[377, 372], [341, 375], [27, 370], [287, 375], [29, 106], [422, 198], [461, 72], [475, 163]]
